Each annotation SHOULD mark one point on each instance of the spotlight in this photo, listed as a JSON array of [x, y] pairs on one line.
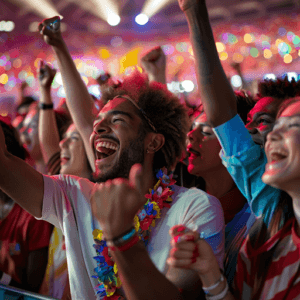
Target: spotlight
[[187, 85], [113, 19], [141, 19]]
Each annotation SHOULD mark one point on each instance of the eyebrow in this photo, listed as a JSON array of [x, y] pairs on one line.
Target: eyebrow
[[259, 114], [115, 112]]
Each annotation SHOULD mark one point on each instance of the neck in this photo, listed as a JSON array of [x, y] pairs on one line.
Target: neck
[[218, 182]]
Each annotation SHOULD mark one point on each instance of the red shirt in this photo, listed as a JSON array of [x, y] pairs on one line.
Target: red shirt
[[21, 233], [283, 275]]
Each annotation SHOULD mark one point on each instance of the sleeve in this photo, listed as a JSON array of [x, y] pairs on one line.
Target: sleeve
[[39, 233], [55, 202], [245, 162], [206, 216]]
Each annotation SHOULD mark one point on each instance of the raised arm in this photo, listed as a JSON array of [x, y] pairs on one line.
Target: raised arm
[[20, 181], [154, 63], [48, 131], [79, 101], [216, 93], [190, 252]]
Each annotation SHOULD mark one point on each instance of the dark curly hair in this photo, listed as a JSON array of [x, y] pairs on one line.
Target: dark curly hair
[[244, 101], [164, 109], [12, 140], [279, 88]]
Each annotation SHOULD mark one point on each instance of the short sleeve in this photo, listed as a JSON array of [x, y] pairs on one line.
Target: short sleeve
[[55, 201], [206, 215], [245, 162], [64, 194]]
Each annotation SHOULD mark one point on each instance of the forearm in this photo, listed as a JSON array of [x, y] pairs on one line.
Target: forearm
[[22, 183], [216, 93], [48, 131], [79, 101], [140, 278]]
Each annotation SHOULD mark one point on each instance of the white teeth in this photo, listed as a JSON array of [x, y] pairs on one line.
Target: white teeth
[[107, 145], [280, 152]]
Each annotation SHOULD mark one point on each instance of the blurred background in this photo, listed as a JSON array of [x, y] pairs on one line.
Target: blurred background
[[261, 37]]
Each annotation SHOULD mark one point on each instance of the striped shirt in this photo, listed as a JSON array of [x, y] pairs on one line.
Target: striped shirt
[[283, 275]]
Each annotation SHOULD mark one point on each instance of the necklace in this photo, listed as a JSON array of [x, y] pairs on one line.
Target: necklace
[[106, 270]]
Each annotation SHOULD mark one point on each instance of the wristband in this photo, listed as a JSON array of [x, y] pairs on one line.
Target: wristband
[[212, 287], [45, 106], [127, 246], [119, 240], [5, 279], [220, 296]]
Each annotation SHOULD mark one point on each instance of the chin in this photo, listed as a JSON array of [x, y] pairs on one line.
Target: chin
[[274, 180], [191, 169]]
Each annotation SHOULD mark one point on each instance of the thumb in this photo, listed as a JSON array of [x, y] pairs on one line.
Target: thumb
[[136, 177], [41, 64]]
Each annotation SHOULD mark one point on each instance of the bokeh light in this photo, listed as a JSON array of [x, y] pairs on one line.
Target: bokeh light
[[288, 58], [141, 19], [220, 47]]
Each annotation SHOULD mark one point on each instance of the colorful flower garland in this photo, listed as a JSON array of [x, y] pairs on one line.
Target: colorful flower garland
[[107, 271]]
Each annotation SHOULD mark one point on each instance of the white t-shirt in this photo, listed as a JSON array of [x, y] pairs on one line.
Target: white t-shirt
[[66, 205]]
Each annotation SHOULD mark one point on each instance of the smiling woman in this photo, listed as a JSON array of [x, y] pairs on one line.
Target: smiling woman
[[72, 155], [277, 242]]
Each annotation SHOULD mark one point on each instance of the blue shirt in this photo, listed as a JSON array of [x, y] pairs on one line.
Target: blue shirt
[[245, 162]]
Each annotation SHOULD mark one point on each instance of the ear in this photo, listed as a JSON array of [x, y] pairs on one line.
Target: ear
[[154, 142]]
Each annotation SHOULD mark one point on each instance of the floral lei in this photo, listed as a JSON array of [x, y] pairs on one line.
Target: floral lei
[[106, 270]]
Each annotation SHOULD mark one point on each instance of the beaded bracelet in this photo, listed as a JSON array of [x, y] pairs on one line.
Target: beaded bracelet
[[127, 246], [119, 240], [212, 287]]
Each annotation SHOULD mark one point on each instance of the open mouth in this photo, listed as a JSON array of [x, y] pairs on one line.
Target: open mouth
[[192, 152], [64, 159], [105, 149], [278, 155]]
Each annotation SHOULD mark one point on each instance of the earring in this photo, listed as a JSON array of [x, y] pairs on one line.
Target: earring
[[147, 151]]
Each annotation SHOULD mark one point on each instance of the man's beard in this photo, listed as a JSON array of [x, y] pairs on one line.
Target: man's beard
[[134, 154]]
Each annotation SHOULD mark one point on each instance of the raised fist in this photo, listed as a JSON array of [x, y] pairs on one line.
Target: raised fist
[[186, 4], [154, 63], [50, 29], [45, 75]]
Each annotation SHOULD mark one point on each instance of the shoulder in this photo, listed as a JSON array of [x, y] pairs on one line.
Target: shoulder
[[195, 197], [69, 183]]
